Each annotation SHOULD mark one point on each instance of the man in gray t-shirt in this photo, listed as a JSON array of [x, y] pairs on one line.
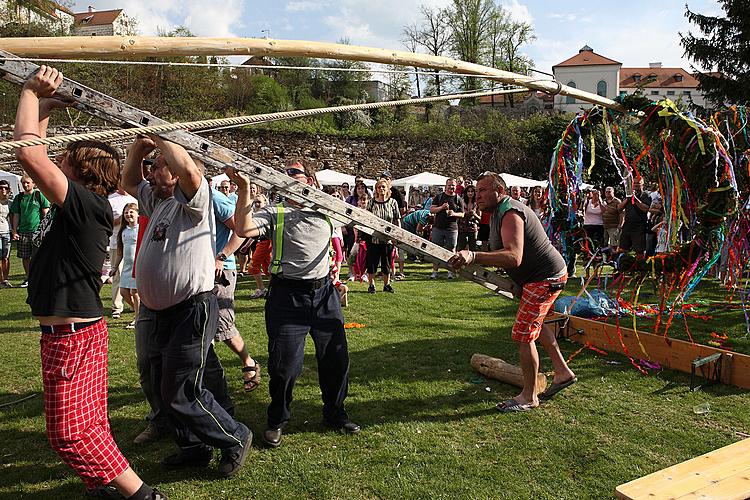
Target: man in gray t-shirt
[[519, 245], [301, 300], [179, 311]]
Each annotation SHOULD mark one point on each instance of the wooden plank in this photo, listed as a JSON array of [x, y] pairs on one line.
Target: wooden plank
[[696, 474], [736, 487], [670, 353], [154, 46]]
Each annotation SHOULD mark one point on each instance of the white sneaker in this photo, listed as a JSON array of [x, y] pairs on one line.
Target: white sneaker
[[259, 293], [25, 284], [451, 275], [433, 276]]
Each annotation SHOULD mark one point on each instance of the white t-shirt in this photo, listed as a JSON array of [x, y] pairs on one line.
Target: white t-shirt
[[4, 211], [118, 201]]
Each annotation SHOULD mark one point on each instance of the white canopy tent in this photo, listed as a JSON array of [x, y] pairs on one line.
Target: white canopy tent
[[330, 177], [13, 179], [515, 180], [423, 179], [216, 180]]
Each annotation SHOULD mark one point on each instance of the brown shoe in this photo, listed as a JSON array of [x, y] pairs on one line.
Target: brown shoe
[[150, 434]]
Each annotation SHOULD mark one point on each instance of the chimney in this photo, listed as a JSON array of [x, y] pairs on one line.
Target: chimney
[[654, 65], [91, 9]]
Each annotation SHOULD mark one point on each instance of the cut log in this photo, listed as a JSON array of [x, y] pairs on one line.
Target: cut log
[[496, 368], [153, 46]]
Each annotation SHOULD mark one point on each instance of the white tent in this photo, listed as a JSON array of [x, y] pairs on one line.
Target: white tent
[[515, 180], [421, 179], [216, 180], [330, 177], [13, 179]]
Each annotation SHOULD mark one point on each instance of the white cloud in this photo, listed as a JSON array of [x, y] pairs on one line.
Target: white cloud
[[518, 11], [304, 6], [202, 17]]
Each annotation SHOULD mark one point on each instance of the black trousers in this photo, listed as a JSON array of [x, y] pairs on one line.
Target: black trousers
[[179, 357], [291, 313]]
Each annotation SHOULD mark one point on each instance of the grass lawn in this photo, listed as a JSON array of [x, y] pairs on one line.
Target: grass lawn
[[429, 430]]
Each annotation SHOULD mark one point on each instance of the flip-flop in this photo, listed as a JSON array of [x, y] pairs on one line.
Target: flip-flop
[[512, 406], [555, 388]]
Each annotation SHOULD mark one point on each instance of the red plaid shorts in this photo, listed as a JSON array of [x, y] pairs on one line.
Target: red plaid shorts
[[536, 301], [74, 371]]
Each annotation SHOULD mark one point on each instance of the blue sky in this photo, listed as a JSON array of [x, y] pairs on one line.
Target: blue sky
[[634, 33]]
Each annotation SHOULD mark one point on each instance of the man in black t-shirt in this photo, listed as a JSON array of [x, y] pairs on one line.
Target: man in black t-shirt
[[64, 286], [636, 205], [447, 207]]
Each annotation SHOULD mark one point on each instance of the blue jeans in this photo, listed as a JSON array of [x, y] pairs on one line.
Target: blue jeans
[[175, 358], [292, 312]]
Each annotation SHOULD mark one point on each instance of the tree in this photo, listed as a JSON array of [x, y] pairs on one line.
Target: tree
[[505, 38], [434, 35], [409, 37], [724, 47], [470, 22]]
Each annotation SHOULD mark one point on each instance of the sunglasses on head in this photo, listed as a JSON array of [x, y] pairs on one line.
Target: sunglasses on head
[[295, 171]]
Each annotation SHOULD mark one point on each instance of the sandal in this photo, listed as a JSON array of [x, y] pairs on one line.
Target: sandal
[[253, 382], [513, 406]]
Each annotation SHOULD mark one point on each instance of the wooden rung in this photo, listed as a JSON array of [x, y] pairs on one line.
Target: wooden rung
[[730, 464]]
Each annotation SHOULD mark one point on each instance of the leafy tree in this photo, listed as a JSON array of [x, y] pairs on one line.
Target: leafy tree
[[724, 46], [470, 22]]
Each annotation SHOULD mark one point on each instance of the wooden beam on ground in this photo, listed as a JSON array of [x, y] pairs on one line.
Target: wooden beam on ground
[[670, 353], [154, 46], [722, 473], [498, 369]]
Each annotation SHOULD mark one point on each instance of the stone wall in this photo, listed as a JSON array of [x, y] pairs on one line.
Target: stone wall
[[366, 157]]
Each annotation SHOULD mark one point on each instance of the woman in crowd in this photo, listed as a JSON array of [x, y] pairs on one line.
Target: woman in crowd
[[380, 251], [4, 234], [360, 191], [592, 219], [467, 225], [538, 202], [126, 242]]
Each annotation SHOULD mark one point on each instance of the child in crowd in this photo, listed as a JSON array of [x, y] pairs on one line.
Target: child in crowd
[[260, 260], [126, 242]]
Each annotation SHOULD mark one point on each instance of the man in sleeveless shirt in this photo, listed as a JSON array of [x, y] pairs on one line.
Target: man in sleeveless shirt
[[301, 300], [520, 246]]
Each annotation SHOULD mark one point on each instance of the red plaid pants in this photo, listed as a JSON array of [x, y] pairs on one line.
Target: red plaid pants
[[74, 371]]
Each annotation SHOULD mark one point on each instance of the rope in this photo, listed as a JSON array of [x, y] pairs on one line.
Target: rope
[[238, 120]]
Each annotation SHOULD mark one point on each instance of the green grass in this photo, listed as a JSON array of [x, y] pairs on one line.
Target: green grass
[[428, 431]]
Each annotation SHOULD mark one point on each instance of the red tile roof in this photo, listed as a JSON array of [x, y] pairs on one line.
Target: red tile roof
[[657, 78], [98, 17], [587, 57]]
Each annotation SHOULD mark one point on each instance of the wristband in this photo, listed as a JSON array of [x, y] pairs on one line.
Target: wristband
[[221, 257]]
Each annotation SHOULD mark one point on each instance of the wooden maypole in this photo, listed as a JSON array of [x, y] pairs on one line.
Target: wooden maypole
[[118, 46]]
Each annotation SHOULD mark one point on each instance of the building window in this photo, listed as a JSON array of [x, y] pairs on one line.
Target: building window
[[677, 77], [670, 92], [654, 92], [570, 99], [685, 92], [601, 88], [637, 77]]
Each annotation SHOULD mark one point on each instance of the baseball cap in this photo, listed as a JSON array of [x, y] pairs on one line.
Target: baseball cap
[[386, 173]]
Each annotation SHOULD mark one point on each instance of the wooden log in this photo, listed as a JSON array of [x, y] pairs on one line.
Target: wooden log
[[496, 368], [152, 46]]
